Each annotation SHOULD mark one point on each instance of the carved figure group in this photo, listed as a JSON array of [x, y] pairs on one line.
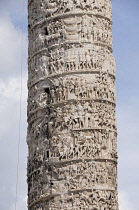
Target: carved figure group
[[84, 116], [78, 88], [52, 8]]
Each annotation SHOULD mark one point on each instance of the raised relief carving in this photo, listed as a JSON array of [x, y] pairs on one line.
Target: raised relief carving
[[72, 131]]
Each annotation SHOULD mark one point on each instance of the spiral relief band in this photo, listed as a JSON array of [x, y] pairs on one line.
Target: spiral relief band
[[72, 131]]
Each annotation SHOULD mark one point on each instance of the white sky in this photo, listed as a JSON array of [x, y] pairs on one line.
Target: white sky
[[126, 51]]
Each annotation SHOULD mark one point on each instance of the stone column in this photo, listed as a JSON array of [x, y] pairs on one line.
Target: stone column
[[72, 162]]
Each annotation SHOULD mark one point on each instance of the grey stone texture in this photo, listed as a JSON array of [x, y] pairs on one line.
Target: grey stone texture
[[72, 132]]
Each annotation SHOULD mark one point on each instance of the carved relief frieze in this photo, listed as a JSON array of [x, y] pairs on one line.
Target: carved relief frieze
[[72, 131]]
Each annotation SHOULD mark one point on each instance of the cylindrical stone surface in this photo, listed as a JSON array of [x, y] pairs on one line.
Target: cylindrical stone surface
[[72, 133]]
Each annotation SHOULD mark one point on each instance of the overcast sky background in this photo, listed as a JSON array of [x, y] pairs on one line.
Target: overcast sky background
[[13, 16]]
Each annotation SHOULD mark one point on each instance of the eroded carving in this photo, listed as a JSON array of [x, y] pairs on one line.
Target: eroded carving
[[72, 162]]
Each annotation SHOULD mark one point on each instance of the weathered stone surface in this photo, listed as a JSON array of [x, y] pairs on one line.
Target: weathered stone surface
[[72, 162]]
